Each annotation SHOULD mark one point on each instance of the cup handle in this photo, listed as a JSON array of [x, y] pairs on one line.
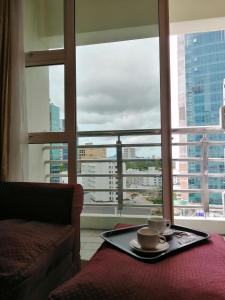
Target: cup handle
[[162, 239]]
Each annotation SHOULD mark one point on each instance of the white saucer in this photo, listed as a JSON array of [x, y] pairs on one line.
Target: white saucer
[[159, 248], [168, 232]]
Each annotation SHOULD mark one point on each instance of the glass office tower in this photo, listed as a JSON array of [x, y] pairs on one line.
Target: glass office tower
[[204, 55], [55, 154]]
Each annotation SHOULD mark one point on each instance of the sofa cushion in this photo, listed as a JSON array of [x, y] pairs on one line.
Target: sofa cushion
[[29, 250]]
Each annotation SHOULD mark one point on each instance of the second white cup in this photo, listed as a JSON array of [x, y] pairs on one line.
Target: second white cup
[[160, 224]]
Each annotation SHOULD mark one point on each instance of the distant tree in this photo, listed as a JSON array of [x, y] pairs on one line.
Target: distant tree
[[157, 200], [144, 165]]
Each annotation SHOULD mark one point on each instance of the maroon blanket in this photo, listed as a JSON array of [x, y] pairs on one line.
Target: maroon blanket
[[194, 274]]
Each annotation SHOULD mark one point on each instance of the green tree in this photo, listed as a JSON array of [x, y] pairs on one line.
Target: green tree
[[144, 165]]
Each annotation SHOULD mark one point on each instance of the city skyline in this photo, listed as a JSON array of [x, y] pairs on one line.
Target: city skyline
[[190, 93]]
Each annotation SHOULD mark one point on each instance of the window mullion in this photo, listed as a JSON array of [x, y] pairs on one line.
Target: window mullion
[[70, 86], [165, 107]]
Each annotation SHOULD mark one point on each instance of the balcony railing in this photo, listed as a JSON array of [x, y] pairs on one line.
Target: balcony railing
[[112, 185]]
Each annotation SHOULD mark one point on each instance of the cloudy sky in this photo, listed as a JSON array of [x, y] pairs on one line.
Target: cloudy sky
[[117, 85]]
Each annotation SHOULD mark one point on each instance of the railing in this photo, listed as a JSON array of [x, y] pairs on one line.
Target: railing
[[118, 162], [204, 161]]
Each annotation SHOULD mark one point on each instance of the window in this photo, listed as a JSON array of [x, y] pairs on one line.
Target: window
[[50, 102], [131, 39]]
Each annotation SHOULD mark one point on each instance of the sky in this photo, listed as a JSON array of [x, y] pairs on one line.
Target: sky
[[117, 85]]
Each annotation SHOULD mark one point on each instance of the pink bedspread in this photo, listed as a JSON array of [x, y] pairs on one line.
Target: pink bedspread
[[194, 274]]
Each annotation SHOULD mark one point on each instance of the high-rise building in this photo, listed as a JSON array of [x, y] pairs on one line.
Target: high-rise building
[[107, 182], [91, 182], [55, 154], [129, 152], [91, 153], [201, 69]]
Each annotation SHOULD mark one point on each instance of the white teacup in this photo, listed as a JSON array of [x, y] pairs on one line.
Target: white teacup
[[149, 238], [160, 224]]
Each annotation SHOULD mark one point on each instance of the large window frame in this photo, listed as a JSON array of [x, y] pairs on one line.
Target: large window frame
[[68, 59], [67, 56]]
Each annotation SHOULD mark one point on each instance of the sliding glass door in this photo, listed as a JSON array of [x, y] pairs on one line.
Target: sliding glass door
[[98, 99], [119, 106]]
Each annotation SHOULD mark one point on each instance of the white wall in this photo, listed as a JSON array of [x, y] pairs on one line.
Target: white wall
[[37, 92]]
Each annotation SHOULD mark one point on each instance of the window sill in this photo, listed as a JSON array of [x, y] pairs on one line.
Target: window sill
[[96, 221]]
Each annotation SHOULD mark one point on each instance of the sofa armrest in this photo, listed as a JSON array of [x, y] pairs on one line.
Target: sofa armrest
[[44, 202]]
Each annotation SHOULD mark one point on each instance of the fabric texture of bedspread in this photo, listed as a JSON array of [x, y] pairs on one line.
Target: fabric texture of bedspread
[[194, 274], [28, 250]]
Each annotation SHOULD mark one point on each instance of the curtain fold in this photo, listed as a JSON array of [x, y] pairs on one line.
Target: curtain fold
[[18, 154], [5, 89], [13, 130]]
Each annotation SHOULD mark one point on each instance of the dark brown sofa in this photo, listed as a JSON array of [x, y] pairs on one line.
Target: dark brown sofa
[[39, 237]]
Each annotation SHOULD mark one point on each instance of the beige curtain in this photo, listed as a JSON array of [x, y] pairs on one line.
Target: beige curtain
[[13, 133], [18, 153], [5, 89]]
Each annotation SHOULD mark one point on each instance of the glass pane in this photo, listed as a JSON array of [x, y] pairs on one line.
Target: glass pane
[[140, 179], [118, 88], [43, 24], [131, 203], [198, 92], [48, 163], [45, 98], [117, 65]]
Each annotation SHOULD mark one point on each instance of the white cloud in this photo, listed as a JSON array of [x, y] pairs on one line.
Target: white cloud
[[118, 85]]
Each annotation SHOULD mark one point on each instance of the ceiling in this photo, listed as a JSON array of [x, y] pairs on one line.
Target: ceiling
[[112, 20]]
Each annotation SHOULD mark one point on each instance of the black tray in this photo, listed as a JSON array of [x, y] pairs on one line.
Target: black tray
[[120, 238]]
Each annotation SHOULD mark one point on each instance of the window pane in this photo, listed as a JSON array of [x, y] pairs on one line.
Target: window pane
[[43, 24], [48, 163], [138, 185], [45, 98], [198, 92], [118, 65], [118, 88]]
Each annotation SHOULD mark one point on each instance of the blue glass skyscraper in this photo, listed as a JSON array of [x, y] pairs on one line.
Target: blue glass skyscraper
[[55, 154], [204, 74]]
